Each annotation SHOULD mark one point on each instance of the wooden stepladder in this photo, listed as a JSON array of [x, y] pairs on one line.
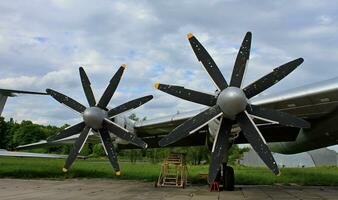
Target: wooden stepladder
[[174, 172]]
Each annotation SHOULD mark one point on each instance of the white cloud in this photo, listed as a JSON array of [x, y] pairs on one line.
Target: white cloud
[[324, 20], [42, 44]]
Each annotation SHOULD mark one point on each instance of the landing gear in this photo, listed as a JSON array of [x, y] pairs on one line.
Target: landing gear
[[226, 178]]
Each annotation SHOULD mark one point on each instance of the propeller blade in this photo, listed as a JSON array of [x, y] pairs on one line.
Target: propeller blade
[[110, 90], [255, 138], [272, 78], [86, 87], [277, 116], [79, 143], [66, 100], [129, 105], [69, 131], [191, 125], [109, 148], [241, 61], [124, 134], [187, 94], [208, 63], [220, 149]]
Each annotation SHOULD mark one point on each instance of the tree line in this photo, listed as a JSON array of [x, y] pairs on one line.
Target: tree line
[[13, 134]]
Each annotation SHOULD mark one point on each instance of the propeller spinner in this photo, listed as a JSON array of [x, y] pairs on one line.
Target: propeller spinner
[[97, 117], [232, 105]]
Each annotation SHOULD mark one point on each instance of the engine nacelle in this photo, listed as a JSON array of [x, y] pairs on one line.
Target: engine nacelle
[[126, 123]]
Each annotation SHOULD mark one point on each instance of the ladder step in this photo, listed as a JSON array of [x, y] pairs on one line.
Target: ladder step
[[169, 183], [174, 185]]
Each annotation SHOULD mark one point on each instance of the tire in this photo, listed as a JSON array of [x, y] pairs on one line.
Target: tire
[[228, 179]]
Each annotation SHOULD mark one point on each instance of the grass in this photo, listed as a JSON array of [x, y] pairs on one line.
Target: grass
[[327, 176], [99, 168]]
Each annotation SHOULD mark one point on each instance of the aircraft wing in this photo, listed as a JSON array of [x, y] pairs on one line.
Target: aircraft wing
[[310, 102], [4, 93], [11, 93], [162, 125], [30, 155], [92, 138]]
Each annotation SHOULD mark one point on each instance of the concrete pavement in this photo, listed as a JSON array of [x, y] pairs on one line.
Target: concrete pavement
[[17, 189]]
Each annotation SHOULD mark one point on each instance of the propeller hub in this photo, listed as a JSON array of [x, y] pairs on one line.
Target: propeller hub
[[94, 116], [232, 101]]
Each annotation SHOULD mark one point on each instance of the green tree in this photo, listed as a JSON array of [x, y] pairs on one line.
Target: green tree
[[86, 150], [28, 133], [3, 133], [236, 153], [98, 150]]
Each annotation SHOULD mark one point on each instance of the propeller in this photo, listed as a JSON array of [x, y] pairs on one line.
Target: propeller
[[98, 118], [232, 105]]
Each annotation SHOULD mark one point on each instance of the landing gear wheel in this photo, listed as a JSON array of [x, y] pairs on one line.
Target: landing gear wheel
[[228, 178]]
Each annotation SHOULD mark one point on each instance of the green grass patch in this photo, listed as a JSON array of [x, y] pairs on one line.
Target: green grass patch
[[327, 176], [100, 168]]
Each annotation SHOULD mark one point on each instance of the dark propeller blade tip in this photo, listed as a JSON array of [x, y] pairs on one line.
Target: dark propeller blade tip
[[248, 36], [82, 71], [49, 91], [148, 97], [300, 60]]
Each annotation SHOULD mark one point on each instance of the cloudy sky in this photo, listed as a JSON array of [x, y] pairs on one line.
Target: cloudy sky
[[42, 44]]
